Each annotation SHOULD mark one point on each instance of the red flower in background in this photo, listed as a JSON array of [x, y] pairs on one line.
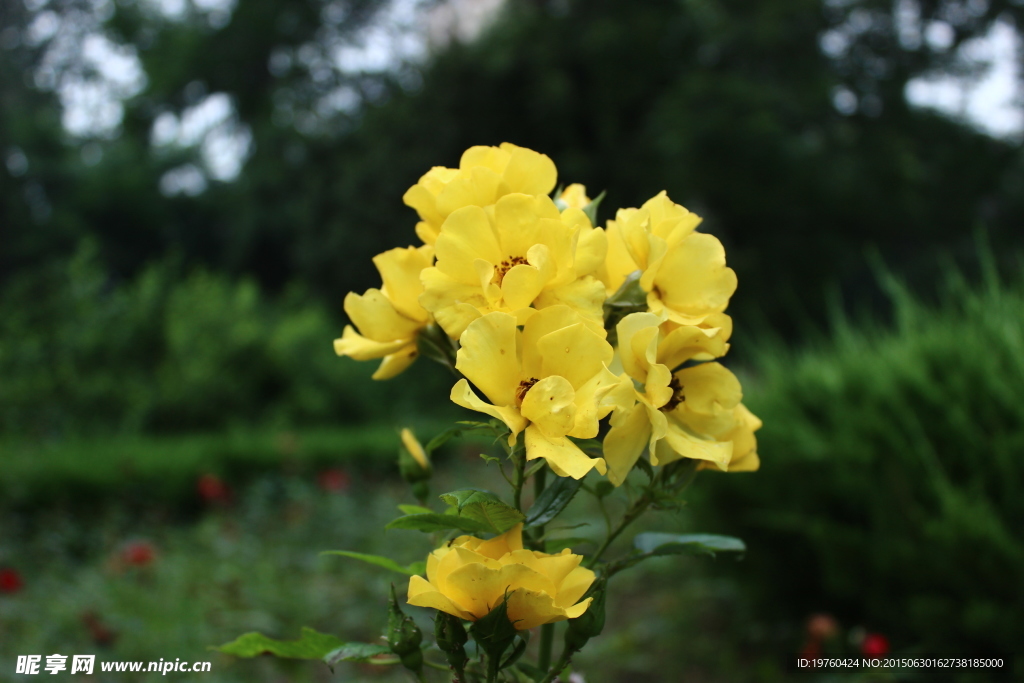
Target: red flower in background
[[212, 489], [874, 645], [333, 480], [138, 553], [10, 581]]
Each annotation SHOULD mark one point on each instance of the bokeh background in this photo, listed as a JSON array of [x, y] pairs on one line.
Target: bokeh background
[[190, 187]]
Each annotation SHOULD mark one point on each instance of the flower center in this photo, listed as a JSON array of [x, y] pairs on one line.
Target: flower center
[[524, 387], [507, 265], [677, 395]]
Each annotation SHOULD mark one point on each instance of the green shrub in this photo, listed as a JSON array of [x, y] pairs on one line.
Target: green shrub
[[892, 474], [172, 351]]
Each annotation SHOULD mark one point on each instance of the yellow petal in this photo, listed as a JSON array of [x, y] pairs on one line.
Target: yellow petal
[[462, 395], [573, 352], [563, 456], [477, 588], [529, 609], [423, 594], [687, 445], [377, 318], [591, 250], [577, 610], [638, 339], [528, 171], [575, 584], [488, 357], [519, 222], [693, 280], [396, 363], [466, 236], [508, 542], [358, 347], [477, 186], [688, 342], [585, 296], [625, 441], [456, 318], [400, 270], [591, 405], [550, 405]]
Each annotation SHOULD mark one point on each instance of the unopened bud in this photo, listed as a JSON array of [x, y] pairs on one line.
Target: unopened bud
[[451, 638], [404, 636], [589, 624], [412, 459]]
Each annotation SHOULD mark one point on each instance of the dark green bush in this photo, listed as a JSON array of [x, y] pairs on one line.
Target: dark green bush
[[173, 351], [892, 474]]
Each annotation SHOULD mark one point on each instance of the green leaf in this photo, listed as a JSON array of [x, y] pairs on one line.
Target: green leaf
[[645, 465], [435, 522], [654, 544], [484, 507], [552, 501], [380, 561], [414, 509], [311, 645], [591, 208], [362, 652]]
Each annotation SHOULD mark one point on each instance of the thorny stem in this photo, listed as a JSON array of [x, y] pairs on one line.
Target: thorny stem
[[559, 667]]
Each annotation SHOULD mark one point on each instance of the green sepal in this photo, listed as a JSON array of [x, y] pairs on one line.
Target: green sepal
[[364, 653], [589, 624], [552, 501], [381, 561], [522, 640], [451, 638], [484, 507], [310, 645], [654, 544], [404, 636], [591, 208], [436, 522], [628, 298], [494, 634], [644, 465]]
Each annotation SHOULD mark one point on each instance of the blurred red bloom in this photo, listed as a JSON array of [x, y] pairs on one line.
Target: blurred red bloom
[[333, 480], [10, 581], [811, 649], [212, 489], [98, 631], [874, 645], [138, 553]]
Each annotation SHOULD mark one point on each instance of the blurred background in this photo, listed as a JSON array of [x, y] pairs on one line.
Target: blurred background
[[190, 187]]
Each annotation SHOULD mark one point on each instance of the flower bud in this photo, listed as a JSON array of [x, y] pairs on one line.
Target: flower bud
[[494, 634], [404, 636], [451, 638], [412, 459]]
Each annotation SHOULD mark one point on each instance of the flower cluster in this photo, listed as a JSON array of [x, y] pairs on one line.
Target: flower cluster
[[555, 323]]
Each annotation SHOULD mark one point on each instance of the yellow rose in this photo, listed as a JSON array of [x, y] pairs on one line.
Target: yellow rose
[[548, 379], [389, 318], [683, 271], [694, 412], [521, 254], [485, 174], [469, 576], [574, 196]]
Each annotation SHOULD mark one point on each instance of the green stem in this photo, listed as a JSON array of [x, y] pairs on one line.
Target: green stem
[[635, 510], [547, 638], [435, 665], [519, 460], [559, 667]]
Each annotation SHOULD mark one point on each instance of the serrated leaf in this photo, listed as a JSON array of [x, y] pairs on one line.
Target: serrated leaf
[[552, 501], [362, 652], [603, 488], [414, 509], [654, 544], [644, 465], [484, 507], [310, 645], [380, 561], [435, 522]]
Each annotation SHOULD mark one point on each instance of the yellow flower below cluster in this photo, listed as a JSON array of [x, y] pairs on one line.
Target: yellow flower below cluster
[[468, 577], [390, 318]]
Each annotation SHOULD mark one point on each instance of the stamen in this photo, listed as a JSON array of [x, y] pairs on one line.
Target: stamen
[[677, 395], [524, 387], [507, 265]]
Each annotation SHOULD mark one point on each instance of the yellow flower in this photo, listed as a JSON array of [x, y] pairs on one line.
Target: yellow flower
[[683, 271], [388, 318], [485, 174], [694, 412], [469, 576], [415, 449], [548, 379], [522, 252]]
